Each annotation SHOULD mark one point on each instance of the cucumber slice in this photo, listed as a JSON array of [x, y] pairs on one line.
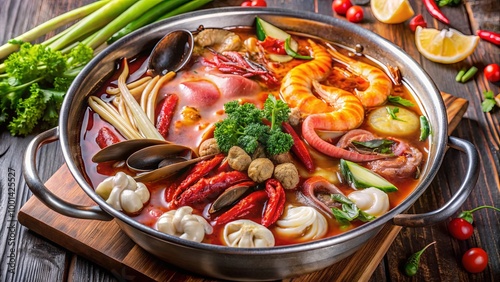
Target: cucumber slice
[[265, 29], [361, 177]]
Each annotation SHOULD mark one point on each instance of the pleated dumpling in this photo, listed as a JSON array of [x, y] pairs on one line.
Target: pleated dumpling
[[182, 223], [245, 233], [301, 223]]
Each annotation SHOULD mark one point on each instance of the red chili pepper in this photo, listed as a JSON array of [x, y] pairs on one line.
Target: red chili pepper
[[434, 10], [106, 137], [274, 45], [418, 20], [299, 148], [207, 189], [166, 114], [246, 206], [275, 204], [490, 36], [196, 173]]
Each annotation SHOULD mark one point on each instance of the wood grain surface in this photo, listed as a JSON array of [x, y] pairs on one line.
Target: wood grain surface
[[26, 256]]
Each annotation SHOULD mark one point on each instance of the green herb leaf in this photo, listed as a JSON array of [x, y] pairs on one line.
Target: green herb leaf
[[382, 146], [349, 211], [401, 101], [393, 113], [487, 105]]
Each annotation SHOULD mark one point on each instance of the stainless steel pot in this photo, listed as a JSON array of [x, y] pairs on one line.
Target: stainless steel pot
[[266, 263]]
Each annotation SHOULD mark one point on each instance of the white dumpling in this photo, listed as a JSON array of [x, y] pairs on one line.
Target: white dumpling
[[245, 233], [183, 224], [301, 223], [122, 192], [371, 200]]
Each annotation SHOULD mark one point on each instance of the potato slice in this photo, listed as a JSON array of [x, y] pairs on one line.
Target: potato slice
[[406, 121]]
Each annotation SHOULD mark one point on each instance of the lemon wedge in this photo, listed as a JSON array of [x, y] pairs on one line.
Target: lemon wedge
[[392, 11], [444, 46]]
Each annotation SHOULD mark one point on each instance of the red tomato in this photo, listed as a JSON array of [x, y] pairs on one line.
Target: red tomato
[[254, 3], [354, 14], [341, 6], [475, 260], [492, 72], [460, 228]]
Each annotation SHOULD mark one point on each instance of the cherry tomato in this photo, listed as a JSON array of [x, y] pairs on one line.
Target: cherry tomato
[[354, 14], [475, 260], [492, 72], [254, 3], [341, 6], [460, 228]]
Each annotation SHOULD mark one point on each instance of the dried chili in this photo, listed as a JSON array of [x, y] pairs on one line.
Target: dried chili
[[299, 148], [489, 36], [166, 114], [434, 10]]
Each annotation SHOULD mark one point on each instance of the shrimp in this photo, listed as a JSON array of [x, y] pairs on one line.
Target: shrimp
[[338, 110], [297, 83], [380, 84]]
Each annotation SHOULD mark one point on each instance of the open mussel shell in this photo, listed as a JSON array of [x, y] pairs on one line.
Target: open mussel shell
[[153, 157], [229, 196], [172, 52], [122, 150], [169, 170]]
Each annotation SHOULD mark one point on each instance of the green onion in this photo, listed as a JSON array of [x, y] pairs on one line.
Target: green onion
[[469, 74], [148, 17], [50, 25], [459, 76], [193, 5]]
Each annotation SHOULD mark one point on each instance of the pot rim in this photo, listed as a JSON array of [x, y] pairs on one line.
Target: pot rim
[[439, 138]]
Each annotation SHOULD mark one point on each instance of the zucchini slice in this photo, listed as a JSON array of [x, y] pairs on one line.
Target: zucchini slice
[[361, 177]]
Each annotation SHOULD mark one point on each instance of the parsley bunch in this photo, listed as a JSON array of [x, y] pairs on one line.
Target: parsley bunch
[[34, 83], [245, 127]]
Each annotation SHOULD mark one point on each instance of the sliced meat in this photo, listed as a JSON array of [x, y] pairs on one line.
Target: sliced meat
[[199, 93], [234, 86]]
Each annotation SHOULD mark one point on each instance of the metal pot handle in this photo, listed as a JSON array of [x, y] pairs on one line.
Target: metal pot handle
[[452, 206], [45, 195]]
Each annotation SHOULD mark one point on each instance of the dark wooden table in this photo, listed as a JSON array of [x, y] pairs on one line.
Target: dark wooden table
[[25, 256]]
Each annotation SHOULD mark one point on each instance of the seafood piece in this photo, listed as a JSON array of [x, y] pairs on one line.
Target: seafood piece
[[318, 190], [380, 84], [371, 200], [122, 192], [245, 233], [301, 223], [183, 224], [338, 111], [231, 195], [219, 39], [149, 158], [405, 165], [275, 194]]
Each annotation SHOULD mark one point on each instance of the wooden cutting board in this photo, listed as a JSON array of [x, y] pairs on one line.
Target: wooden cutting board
[[105, 244]]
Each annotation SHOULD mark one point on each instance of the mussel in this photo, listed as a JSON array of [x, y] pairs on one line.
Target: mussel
[[230, 195], [172, 52]]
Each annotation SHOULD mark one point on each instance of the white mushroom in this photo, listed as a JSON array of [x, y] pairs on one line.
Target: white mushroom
[[122, 192], [183, 224], [371, 200], [301, 223], [245, 233]]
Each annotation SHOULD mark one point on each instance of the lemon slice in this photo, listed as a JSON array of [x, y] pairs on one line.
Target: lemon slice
[[444, 46], [392, 11]]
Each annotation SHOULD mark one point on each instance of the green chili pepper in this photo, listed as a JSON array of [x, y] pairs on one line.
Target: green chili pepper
[[411, 265], [460, 74], [469, 74]]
